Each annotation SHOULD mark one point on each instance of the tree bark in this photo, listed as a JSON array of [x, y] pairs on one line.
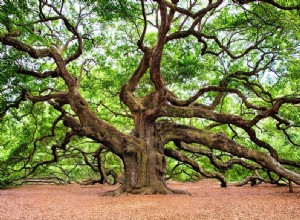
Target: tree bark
[[145, 164]]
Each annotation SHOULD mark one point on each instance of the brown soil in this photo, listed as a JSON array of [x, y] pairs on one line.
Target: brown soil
[[208, 201]]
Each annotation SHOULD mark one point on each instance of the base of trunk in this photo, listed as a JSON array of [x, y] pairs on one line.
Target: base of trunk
[[160, 189]]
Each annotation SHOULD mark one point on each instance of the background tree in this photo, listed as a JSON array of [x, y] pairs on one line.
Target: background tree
[[211, 85]]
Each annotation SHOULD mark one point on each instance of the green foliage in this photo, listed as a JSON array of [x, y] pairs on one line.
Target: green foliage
[[237, 173], [115, 9]]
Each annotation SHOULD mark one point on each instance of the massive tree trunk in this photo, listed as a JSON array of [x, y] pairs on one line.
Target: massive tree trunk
[[144, 164]]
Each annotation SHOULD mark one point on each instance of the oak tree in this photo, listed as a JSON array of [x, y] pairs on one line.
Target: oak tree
[[214, 79]]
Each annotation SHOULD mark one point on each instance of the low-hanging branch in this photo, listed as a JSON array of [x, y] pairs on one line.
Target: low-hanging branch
[[177, 155], [217, 162], [173, 132]]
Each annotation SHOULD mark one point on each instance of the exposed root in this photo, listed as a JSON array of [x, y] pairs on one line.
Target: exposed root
[[116, 192], [146, 191]]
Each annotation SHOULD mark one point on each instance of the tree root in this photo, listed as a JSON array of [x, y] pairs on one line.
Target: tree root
[[146, 191]]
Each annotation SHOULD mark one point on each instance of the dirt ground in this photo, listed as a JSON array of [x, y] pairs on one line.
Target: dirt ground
[[208, 201]]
